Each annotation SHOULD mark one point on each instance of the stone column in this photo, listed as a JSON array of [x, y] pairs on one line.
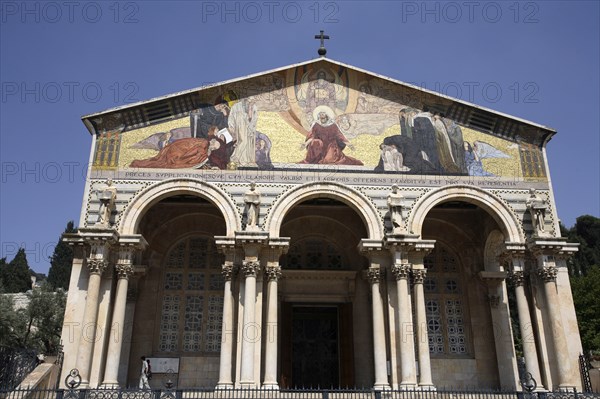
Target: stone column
[[273, 273], [503, 337], [552, 312], [425, 381], [407, 347], [379, 349], [250, 268], [124, 270], [277, 247], [227, 336], [97, 262], [526, 327]]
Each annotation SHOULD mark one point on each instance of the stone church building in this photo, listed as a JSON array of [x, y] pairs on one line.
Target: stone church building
[[319, 225]]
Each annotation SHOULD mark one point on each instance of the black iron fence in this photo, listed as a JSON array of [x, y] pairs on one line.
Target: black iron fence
[[15, 364], [283, 394]]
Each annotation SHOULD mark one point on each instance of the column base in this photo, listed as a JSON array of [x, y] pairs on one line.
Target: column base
[[381, 387], [270, 385], [109, 385], [247, 385], [566, 388], [224, 385], [427, 387], [408, 386]]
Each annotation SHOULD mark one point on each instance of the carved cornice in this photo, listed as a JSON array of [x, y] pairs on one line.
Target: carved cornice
[[409, 243], [273, 272], [250, 268], [419, 275], [547, 274], [401, 271], [557, 247]]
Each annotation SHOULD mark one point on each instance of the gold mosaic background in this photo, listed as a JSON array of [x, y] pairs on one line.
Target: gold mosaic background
[[373, 105]]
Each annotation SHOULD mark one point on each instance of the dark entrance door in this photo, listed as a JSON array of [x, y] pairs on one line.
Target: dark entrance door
[[317, 346]]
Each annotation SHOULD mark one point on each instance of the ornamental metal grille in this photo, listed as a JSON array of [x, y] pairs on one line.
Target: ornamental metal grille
[[192, 301], [314, 253], [444, 304]]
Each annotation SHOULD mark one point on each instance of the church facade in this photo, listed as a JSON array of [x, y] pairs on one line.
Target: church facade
[[319, 225]]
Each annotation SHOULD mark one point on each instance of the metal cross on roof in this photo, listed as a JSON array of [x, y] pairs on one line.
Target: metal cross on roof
[[322, 51]]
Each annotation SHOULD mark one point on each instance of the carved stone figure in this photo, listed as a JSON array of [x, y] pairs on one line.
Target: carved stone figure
[[252, 200], [537, 208], [394, 203], [107, 197]]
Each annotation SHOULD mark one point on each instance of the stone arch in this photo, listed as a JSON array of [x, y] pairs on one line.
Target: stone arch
[[349, 196], [497, 209], [134, 212], [494, 246]]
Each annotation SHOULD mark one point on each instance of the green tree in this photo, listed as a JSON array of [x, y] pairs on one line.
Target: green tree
[[584, 268], [15, 276], [586, 291], [12, 324], [61, 262], [38, 326], [587, 233], [44, 316]]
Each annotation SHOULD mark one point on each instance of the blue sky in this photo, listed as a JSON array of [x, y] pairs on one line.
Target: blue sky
[[60, 60]]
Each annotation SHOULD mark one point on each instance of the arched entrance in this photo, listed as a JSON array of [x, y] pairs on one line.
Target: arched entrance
[[470, 340], [176, 308], [325, 327]]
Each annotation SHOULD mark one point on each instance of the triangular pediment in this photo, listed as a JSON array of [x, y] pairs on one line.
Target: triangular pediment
[[322, 112]]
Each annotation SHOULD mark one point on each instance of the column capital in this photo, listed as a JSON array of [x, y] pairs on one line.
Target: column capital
[[124, 270], [250, 267], [547, 274], [402, 271], [419, 275], [228, 270], [517, 278], [273, 272], [96, 265], [374, 274]]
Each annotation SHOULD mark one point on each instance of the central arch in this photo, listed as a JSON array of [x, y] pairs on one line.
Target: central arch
[[349, 196]]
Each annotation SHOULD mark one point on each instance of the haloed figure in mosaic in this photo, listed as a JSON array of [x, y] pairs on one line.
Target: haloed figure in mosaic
[[325, 142]]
